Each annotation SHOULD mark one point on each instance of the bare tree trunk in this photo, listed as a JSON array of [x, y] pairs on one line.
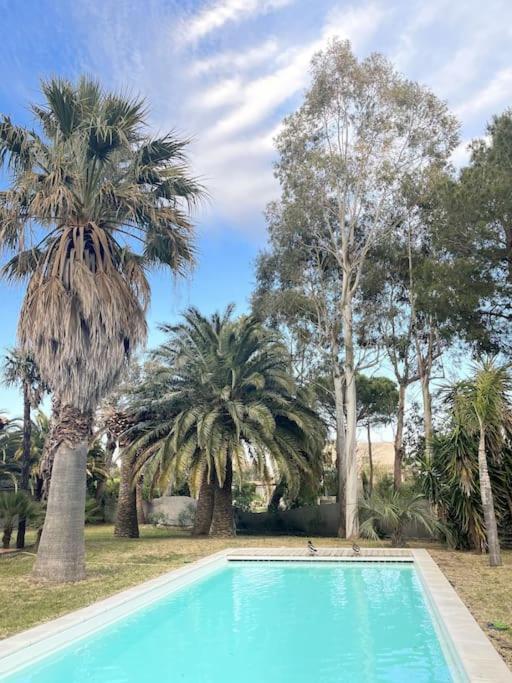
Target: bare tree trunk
[[427, 413], [61, 553], [351, 491], [126, 518], [491, 528], [340, 447], [141, 516], [25, 462], [399, 437], [204, 509], [223, 523], [370, 458]]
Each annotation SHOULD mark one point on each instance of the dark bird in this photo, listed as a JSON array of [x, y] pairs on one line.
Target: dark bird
[[312, 549], [356, 549]]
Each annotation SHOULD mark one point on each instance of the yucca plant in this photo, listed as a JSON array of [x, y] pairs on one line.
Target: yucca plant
[[482, 408], [393, 510], [220, 395], [93, 202]]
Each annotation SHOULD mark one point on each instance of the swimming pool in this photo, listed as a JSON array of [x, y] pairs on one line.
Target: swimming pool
[[268, 621]]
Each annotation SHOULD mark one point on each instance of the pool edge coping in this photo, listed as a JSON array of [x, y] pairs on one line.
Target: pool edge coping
[[478, 656], [480, 660]]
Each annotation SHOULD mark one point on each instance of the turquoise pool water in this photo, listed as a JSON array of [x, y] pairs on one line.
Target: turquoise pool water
[[266, 622]]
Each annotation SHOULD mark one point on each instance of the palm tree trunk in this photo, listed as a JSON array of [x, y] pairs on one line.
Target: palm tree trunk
[[6, 538], [126, 518], [204, 509], [370, 458], [25, 462], [61, 553], [49, 449], [141, 516], [223, 523], [491, 528]]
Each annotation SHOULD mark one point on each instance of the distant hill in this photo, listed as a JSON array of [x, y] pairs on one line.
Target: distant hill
[[383, 455]]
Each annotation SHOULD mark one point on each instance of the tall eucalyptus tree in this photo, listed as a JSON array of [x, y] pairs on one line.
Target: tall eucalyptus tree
[[345, 154]]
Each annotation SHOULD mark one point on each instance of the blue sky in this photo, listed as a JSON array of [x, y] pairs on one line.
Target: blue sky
[[225, 72]]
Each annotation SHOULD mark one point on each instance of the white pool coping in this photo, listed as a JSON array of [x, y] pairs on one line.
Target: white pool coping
[[480, 661]]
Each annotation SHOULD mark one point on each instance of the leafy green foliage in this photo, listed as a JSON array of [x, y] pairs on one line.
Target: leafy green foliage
[[218, 390], [391, 510]]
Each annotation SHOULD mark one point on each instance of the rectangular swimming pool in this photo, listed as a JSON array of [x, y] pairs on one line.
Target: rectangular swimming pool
[[248, 622]]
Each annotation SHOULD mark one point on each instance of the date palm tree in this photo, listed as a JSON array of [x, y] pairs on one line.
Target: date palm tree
[[227, 398], [93, 202], [482, 406]]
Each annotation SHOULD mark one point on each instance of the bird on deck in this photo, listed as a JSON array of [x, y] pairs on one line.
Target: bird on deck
[[312, 549], [356, 549]]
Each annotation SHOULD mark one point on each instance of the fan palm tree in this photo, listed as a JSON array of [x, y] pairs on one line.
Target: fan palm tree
[[93, 202], [20, 370], [392, 510], [482, 406], [226, 398]]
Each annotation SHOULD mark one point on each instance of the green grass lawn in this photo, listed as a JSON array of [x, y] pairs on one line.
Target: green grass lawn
[[114, 564]]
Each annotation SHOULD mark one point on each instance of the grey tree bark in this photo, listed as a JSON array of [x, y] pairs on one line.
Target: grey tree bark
[[399, 436], [61, 552], [340, 447], [351, 490], [491, 527]]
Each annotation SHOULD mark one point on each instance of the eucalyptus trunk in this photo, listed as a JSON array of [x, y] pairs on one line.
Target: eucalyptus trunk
[[351, 492], [61, 552], [427, 414], [25, 462], [204, 509], [370, 457], [340, 446], [223, 523], [126, 518], [399, 437], [491, 528]]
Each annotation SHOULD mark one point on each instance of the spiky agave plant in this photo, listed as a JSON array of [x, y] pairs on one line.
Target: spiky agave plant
[[93, 202], [226, 399]]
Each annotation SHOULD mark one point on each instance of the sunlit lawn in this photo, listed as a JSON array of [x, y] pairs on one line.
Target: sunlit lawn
[[114, 564]]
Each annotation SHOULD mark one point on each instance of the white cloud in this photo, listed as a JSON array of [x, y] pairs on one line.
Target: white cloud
[[262, 96], [219, 13], [235, 61], [495, 94]]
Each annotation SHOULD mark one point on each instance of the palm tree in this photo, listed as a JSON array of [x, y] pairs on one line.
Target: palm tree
[[13, 505], [225, 398], [20, 370], [389, 509], [110, 202], [482, 407]]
